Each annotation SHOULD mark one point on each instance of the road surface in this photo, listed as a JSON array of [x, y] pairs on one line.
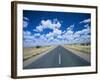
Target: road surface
[[58, 57]]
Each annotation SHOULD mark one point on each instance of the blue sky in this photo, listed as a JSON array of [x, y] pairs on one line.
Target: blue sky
[[53, 28]]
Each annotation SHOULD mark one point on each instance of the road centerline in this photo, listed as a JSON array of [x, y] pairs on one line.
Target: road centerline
[[59, 58]]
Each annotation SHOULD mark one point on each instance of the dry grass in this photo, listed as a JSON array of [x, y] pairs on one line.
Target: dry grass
[[81, 48], [33, 51]]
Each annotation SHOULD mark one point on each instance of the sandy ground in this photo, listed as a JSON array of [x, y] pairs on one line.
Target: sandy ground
[[31, 52]]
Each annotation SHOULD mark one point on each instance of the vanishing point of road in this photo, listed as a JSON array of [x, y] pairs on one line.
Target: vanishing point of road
[[58, 57]]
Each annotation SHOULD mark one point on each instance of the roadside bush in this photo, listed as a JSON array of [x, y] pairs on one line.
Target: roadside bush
[[38, 46]]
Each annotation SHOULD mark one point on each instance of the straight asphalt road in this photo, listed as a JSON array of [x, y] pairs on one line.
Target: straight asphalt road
[[58, 57]]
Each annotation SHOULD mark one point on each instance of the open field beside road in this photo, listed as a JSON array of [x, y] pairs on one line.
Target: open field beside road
[[81, 48], [33, 51]]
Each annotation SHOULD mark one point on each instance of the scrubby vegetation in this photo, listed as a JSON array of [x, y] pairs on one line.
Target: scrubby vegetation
[[80, 47]]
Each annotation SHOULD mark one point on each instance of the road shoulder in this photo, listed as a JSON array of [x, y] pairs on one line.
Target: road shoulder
[[85, 56]]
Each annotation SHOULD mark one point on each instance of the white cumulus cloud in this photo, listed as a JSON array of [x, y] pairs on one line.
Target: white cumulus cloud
[[25, 22], [26, 33], [48, 24], [86, 21], [70, 27], [57, 35]]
